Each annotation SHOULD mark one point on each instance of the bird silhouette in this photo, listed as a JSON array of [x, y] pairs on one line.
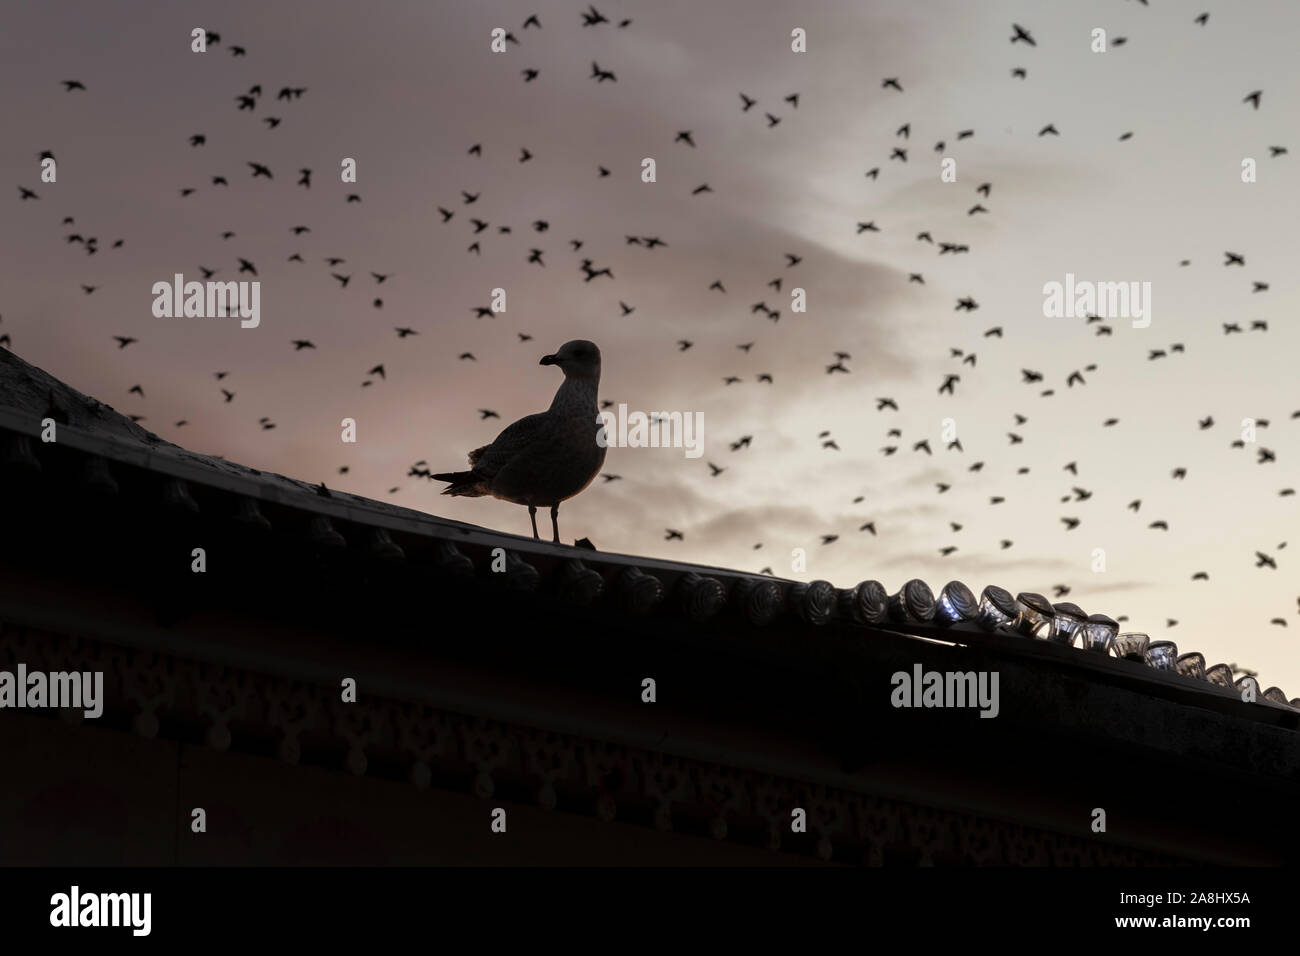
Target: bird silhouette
[[1022, 35], [546, 458]]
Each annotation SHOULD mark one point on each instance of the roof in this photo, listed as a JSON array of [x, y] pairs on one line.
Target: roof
[[700, 591], [788, 678]]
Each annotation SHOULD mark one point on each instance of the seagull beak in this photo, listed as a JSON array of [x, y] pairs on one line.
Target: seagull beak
[[547, 360]]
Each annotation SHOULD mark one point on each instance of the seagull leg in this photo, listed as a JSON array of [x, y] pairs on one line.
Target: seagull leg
[[555, 522], [532, 513]]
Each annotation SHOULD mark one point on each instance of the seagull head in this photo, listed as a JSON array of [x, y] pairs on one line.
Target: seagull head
[[577, 359]]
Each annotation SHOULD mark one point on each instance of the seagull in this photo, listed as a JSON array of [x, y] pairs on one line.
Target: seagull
[[546, 458]]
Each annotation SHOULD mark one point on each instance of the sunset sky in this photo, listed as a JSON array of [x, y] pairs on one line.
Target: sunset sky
[[406, 88]]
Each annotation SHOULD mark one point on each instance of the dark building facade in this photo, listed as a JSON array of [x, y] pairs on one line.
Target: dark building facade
[[618, 710]]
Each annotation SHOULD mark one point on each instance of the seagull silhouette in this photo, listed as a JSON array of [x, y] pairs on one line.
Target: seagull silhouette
[[543, 459]]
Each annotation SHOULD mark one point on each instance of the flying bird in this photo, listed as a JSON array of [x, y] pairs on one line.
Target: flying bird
[[1022, 35]]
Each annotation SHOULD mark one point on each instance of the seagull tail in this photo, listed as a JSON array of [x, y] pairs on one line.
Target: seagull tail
[[468, 484]]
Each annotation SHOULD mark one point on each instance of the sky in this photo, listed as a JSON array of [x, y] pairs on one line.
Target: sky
[[406, 88]]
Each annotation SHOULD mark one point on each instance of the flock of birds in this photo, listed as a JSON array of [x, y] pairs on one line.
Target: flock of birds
[[590, 263]]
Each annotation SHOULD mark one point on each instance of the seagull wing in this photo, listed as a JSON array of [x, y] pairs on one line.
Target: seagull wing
[[514, 440]]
